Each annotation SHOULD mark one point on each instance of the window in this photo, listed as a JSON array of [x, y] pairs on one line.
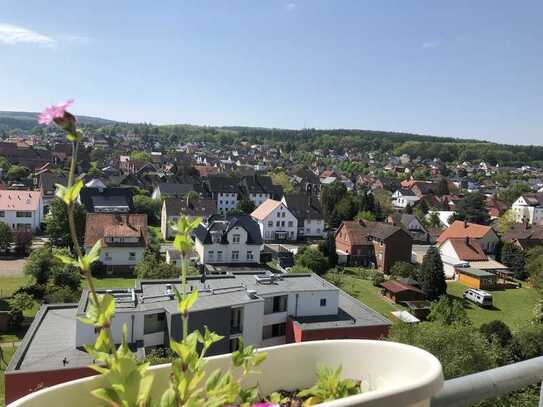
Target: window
[[270, 223], [108, 256], [323, 302], [278, 214], [275, 304], [132, 256], [290, 223], [2, 214], [282, 223], [250, 255], [236, 320], [24, 214], [210, 254], [236, 238], [153, 323], [283, 214], [233, 344], [277, 223], [219, 255], [235, 255], [273, 331], [220, 202]]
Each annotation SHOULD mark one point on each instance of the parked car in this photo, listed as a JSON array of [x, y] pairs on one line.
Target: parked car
[[479, 297]]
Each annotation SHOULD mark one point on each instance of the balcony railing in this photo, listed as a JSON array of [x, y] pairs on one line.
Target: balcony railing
[[487, 385]]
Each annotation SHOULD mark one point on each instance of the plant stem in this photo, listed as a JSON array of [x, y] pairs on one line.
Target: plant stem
[[184, 271]]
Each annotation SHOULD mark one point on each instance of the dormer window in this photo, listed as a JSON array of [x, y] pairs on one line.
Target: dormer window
[[215, 237], [236, 238]]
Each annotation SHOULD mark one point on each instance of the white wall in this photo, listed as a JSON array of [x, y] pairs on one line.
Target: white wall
[[285, 216], [314, 227], [10, 218], [252, 323], [204, 251], [226, 201], [119, 256], [309, 303]]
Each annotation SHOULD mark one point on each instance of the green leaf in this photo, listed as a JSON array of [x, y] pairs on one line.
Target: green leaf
[[169, 398], [69, 195], [66, 260], [186, 303]]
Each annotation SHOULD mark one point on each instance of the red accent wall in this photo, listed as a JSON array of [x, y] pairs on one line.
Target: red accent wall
[[295, 334], [19, 384]]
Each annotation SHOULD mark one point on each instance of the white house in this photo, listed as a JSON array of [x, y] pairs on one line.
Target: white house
[[529, 208], [231, 240], [225, 191], [276, 221], [21, 210], [402, 198], [124, 238], [308, 212]]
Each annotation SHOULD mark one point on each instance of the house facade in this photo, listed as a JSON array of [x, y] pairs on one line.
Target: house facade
[[124, 238], [225, 191], [529, 208], [174, 208], [21, 210], [228, 240], [485, 235], [308, 211], [276, 221]]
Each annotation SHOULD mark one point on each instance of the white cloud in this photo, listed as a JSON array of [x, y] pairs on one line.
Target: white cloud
[[14, 34], [430, 44], [290, 6]]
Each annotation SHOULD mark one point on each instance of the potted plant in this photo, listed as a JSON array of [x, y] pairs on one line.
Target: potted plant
[[328, 373]]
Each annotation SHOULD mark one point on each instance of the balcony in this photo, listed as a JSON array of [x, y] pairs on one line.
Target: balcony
[[275, 318], [487, 385]]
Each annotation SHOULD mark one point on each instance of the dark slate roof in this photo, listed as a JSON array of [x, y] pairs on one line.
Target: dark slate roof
[[201, 207], [91, 197], [534, 199], [406, 192], [175, 189], [381, 230], [259, 184], [223, 184], [220, 223], [303, 207], [48, 181]]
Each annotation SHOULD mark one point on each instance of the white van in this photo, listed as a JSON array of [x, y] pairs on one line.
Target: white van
[[479, 297]]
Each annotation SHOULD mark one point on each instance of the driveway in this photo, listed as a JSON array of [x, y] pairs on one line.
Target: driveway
[[12, 268]]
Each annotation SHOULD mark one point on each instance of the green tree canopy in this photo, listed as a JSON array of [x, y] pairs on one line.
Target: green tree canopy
[[472, 208], [312, 259], [432, 276], [56, 223], [6, 236]]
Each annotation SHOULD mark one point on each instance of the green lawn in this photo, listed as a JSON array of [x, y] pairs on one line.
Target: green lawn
[[8, 285], [8, 351], [513, 306], [365, 292], [113, 282]]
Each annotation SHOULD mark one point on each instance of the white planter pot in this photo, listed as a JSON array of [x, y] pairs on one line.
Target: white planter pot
[[398, 375]]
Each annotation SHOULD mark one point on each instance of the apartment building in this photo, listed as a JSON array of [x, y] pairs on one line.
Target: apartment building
[[528, 208], [21, 210], [264, 309]]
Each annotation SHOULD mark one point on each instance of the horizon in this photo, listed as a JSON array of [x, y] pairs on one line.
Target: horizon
[[462, 70]]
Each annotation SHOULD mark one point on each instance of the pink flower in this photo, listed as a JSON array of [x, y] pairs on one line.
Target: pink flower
[[54, 112]]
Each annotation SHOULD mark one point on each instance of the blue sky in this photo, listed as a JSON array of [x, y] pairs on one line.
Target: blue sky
[[469, 68]]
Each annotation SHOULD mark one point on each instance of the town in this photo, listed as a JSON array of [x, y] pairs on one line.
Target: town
[[295, 243]]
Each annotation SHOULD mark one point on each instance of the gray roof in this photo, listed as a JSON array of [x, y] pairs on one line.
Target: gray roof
[[175, 189], [303, 206], [50, 339], [224, 224]]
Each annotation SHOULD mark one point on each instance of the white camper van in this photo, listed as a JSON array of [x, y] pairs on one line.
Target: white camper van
[[479, 297]]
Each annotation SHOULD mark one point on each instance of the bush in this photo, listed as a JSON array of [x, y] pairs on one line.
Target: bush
[[36, 291], [312, 259], [448, 311], [497, 331], [297, 268], [66, 277], [378, 279], [527, 343], [402, 269], [61, 295]]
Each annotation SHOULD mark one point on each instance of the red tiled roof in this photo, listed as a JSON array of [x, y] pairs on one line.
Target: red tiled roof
[[468, 249], [459, 229], [19, 200], [100, 225]]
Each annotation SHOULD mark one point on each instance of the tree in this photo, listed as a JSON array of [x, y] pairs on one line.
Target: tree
[[496, 331], [246, 206], [506, 221], [23, 240], [312, 259], [56, 223], [328, 249], [472, 208], [345, 209], [534, 267], [513, 257], [448, 311], [6, 237], [433, 220], [330, 196], [65, 276], [21, 302], [281, 178], [460, 348], [432, 276], [17, 172], [151, 267], [402, 269], [527, 343], [365, 215], [443, 186], [39, 264], [151, 207], [140, 156]]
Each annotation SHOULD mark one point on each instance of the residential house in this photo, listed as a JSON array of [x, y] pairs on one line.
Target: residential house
[[173, 208], [124, 238], [47, 185], [529, 208], [308, 211], [366, 243], [400, 292], [262, 309], [21, 210], [228, 240], [259, 188], [276, 221], [524, 235], [412, 225], [465, 260], [402, 198], [107, 200], [172, 190], [225, 191], [485, 235]]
